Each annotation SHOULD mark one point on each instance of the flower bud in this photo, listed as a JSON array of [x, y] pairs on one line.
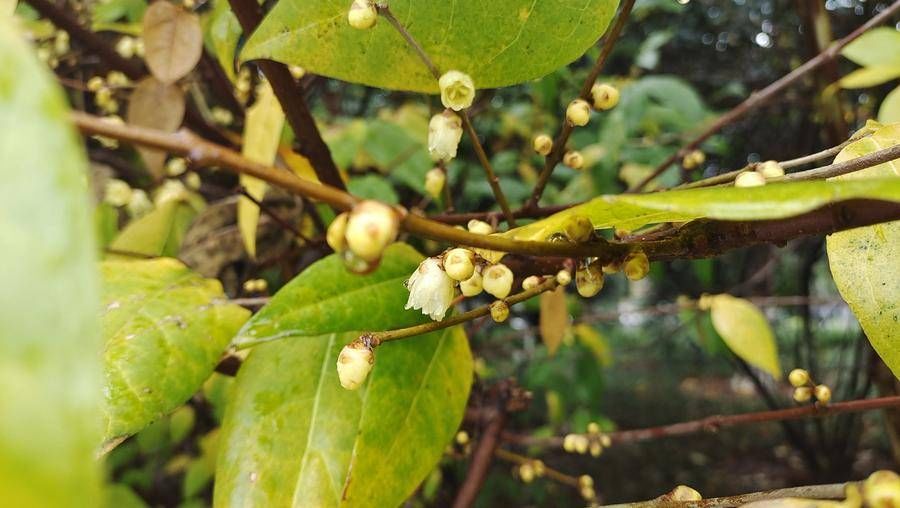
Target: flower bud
[[589, 280], [579, 229], [578, 113], [222, 116], [822, 393], [117, 192], [802, 394], [693, 159], [585, 481], [499, 311], [434, 182], [457, 90], [605, 96], [176, 166], [593, 428], [459, 264], [526, 472], [430, 289], [371, 227], [569, 442], [749, 179], [596, 449], [497, 280], [542, 144], [539, 467], [770, 169], [444, 135], [462, 437], [336, 234], [882, 489], [798, 378], [563, 277], [531, 282], [139, 203], [581, 444], [636, 265], [354, 364], [117, 78], [125, 47], [362, 14], [192, 180], [95, 84], [472, 286], [588, 493], [573, 159], [479, 227], [605, 440], [684, 493]]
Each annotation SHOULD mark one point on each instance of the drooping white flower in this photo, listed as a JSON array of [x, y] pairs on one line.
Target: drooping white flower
[[457, 90], [430, 289], [444, 134]]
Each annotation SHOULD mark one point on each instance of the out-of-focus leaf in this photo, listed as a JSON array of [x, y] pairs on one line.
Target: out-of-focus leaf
[[878, 46], [165, 329], [118, 495], [114, 10], [648, 54], [864, 261], [293, 437], [870, 76], [262, 134], [889, 112], [159, 106], [173, 41], [745, 331], [554, 318], [526, 40], [327, 298], [160, 232], [222, 33], [299, 164], [49, 333], [595, 342], [372, 187], [7, 7]]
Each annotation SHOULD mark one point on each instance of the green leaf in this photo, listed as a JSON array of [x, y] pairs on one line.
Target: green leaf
[[160, 232], [222, 32], [498, 43], [863, 261], [889, 111], [745, 331], [870, 76], [293, 437], [372, 187], [165, 329], [49, 333], [875, 47], [327, 298]]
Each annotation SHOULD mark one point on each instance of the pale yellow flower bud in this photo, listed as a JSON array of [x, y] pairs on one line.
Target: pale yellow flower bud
[[526, 472], [693, 159], [362, 14], [749, 179], [596, 449], [563, 277], [192, 181], [457, 90], [798, 377], [585, 481], [770, 169], [802, 394], [685, 493], [573, 159], [581, 444], [636, 266], [499, 311], [497, 280], [354, 364], [335, 235], [125, 47], [587, 493], [472, 286], [589, 280], [569, 442], [822, 393], [95, 84], [444, 134], [605, 96], [593, 428], [578, 113], [578, 228], [117, 192], [117, 78], [371, 227], [542, 144], [459, 264], [139, 203], [462, 437], [479, 227], [531, 282], [222, 116], [434, 182], [176, 166], [882, 490]]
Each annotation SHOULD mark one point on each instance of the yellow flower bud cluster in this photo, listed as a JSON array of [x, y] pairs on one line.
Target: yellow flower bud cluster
[[592, 441], [805, 389], [362, 234]]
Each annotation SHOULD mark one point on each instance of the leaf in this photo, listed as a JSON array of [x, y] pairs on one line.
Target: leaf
[[372, 187], [293, 437], [889, 111], [878, 46], [863, 261], [222, 32], [498, 43], [159, 106], [160, 232], [165, 329], [49, 333], [745, 331], [327, 298], [595, 341], [870, 76], [262, 134], [173, 41], [554, 319], [7, 7]]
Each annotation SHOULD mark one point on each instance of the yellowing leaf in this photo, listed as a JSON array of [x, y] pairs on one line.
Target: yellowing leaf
[[554, 318], [745, 331], [160, 232], [870, 76], [592, 339], [299, 164], [890, 107], [173, 41], [865, 262], [262, 134], [875, 47], [156, 105]]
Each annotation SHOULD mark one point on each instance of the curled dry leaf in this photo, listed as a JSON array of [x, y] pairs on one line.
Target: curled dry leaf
[[160, 106], [173, 41], [554, 318]]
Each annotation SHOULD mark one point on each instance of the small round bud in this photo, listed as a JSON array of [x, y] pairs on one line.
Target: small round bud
[[605, 440], [297, 72], [139, 204], [684, 493], [117, 192], [125, 47], [802, 394], [459, 264], [749, 179], [563, 277], [117, 78], [693, 159], [462, 437], [479, 227], [798, 377], [434, 182], [497, 280], [335, 236], [472, 286], [593, 428], [569, 442], [526, 472], [354, 364], [578, 113], [605, 96], [822, 393], [573, 159], [192, 181], [95, 84], [371, 227], [596, 449], [882, 489], [581, 444], [636, 266], [176, 166], [589, 280], [222, 116], [585, 481], [444, 134], [362, 14], [579, 229], [539, 467], [457, 90], [587, 493], [542, 144], [770, 169], [531, 282]]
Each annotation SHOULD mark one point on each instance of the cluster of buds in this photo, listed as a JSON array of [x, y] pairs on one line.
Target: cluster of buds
[[593, 441], [354, 363], [586, 488], [129, 47], [604, 96], [256, 285], [805, 389], [104, 90], [54, 47], [764, 171], [694, 159], [362, 14], [529, 470], [362, 234]]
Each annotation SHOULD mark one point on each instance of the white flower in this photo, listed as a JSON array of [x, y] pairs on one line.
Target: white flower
[[362, 14], [444, 134], [354, 364], [457, 90], [430, 289]]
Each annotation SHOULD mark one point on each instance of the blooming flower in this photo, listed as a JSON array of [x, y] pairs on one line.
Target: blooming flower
[[457, 90], [430, 289], [444, 134]]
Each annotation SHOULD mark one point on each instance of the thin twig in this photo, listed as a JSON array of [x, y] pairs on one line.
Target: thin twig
[[386, 13], [829, 491], [483, 456], [765, 95], [549, 472]]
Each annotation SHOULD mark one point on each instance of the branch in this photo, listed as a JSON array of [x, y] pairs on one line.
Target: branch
[[829, 491], [559, 144], [765, 95], [549, 472], [290, 96]]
